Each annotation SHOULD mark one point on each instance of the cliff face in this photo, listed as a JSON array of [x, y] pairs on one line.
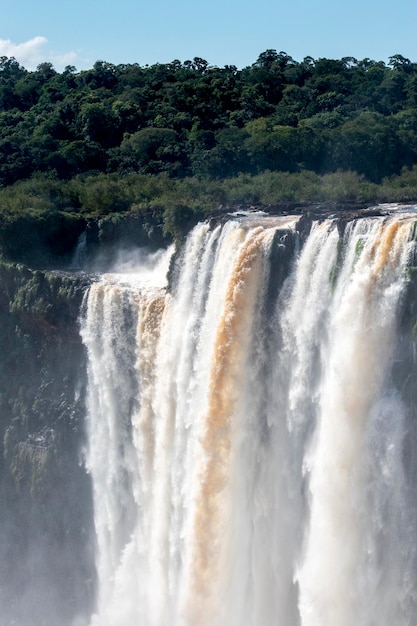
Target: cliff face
[[46, 525], [46, 564]]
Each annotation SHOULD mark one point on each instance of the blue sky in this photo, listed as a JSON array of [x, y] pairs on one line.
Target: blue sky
[[222, 32]]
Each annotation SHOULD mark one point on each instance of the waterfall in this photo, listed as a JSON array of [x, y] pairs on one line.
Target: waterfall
[[80, 252], [250, 430]]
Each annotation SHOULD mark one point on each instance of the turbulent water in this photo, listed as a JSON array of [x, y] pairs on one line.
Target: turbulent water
[[249, 432]]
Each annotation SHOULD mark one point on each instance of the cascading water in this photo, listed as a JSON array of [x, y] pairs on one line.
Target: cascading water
[[247, 436]]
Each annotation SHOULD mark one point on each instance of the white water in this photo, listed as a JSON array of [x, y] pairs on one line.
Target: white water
[[246, 439]]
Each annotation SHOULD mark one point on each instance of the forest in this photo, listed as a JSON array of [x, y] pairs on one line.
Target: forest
[[173, 142]]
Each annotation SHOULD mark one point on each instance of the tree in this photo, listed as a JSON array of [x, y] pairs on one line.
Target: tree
[[10, 73], [367, 145], [153, 150], [100, 124]]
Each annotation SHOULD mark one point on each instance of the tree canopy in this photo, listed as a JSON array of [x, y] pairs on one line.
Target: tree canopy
[[168, 143], [192, 119]]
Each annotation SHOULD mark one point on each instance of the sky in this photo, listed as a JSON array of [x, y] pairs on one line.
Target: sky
[[223, 32]]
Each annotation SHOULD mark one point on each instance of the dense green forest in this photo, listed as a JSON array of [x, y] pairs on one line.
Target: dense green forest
[[174, 141], [190, 119]]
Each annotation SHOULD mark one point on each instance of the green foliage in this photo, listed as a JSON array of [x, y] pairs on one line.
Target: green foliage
[[191, 118], [167, 144], [152, 150], [178, 220], [401, 188], [99, 195], [41, 218]]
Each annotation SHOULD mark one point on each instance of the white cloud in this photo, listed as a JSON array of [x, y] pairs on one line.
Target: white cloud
[[60, 61], [29, 54], [32, 52]]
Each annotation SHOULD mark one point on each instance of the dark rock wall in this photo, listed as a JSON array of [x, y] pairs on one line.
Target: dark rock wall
[[46, 559]]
